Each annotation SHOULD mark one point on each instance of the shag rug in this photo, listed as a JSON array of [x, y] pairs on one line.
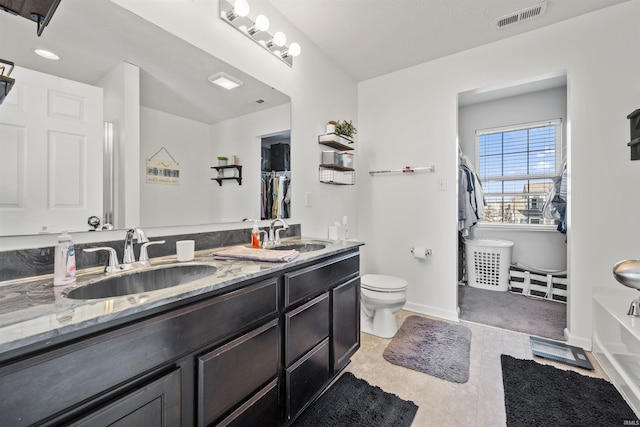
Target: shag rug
[[353, 402], [542, 395], [433, 347]]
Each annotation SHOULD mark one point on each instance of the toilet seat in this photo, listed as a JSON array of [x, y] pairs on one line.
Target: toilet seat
[[381, 283]]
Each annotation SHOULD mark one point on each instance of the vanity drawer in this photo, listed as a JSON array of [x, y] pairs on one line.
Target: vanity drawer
[[228, 375], [306, 378], [308, 282], [305, 327], [261, 410]]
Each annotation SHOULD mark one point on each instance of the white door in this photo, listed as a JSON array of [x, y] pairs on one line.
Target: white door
[[51, 142]]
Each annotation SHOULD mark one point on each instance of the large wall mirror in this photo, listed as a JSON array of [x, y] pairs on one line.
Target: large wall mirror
[[184, 124]]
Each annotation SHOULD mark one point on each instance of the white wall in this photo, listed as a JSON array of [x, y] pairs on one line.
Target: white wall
[[417, 124], [188, 142], [241, 137], [542, 249]]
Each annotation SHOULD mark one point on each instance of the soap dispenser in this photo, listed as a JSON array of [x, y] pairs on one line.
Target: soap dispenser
[[64, 267], [255, 235]]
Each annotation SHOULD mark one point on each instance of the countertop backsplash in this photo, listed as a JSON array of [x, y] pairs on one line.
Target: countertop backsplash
[[23, 263]]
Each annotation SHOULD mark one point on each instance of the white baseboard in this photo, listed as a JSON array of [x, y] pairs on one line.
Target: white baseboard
[[432, 311], [574, 340]]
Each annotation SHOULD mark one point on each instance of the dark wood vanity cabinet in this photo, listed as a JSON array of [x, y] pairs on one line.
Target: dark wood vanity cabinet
[[322, 327], [256, 355]]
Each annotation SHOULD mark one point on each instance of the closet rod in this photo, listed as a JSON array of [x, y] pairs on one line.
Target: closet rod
[[407, 169]]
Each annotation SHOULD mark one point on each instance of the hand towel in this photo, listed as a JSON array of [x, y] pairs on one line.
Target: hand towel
[[269, 255]]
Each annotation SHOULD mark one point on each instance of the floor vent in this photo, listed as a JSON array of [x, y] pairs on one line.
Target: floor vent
[[522, 15]]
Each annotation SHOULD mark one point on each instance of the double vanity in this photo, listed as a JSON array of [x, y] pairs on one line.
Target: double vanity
[[236, 343]]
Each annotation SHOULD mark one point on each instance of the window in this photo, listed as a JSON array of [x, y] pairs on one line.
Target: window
[[516, 165]]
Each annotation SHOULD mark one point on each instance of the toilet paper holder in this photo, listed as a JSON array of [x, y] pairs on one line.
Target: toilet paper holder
[[420, 252]]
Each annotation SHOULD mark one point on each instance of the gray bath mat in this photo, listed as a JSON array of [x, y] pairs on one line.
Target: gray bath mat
[[433, 347]]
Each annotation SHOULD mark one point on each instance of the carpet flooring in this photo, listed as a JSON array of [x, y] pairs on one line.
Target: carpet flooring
[[544, 396], [513, 312], [353, 402], [433, 347]]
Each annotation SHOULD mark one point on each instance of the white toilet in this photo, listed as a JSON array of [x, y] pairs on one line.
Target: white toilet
[[381, 297]]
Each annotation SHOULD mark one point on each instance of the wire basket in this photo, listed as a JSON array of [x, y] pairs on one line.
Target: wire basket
[[336, 177]]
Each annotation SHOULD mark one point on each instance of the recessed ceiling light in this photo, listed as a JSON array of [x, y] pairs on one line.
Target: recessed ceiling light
[[47, 54], [224, 80]]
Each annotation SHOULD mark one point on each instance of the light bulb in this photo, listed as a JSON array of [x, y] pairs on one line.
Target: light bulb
[[294, 49], [262, 23], [279, 39], [241, 7]]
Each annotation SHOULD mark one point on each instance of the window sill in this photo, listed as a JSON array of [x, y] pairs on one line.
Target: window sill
[[535, 228]]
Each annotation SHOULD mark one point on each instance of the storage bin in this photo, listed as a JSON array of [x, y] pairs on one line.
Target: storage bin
[[488, 262], [329, 158], [345, 160]]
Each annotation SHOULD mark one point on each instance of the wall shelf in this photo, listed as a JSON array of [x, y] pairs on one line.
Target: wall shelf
[[336, 145], [332, 173], [337, 167], [222, 168]]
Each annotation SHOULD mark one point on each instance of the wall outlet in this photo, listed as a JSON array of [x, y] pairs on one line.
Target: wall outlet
[[307, 199]]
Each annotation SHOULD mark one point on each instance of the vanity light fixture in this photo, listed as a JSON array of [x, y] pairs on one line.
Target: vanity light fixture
[[279, 39], [225, 80], [262, 24], [47, 54], [240, 9], [294, 50], [237, 15]]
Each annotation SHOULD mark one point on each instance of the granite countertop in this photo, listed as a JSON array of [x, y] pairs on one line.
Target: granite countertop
[[33, 310]]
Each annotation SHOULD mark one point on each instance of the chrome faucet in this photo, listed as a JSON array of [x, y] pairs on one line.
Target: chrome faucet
[[129, 257], [274, 235]]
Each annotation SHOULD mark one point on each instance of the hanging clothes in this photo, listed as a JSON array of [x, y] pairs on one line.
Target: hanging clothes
[[275, 199], [556, 205], [470, 197]]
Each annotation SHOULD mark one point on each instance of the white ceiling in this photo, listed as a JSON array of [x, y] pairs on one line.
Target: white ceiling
[[369, 38], [366, 38]]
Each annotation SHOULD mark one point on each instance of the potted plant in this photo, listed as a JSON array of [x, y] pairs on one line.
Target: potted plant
[[346, 129], [222, 160]]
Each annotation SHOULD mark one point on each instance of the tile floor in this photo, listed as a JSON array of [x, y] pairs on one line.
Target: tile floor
[[478, 402]]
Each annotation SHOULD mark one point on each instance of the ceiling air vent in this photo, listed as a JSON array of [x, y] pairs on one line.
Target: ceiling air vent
[[522, 15]]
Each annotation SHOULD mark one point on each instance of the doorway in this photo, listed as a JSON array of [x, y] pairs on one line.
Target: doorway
[[514, 201], [275, 172]]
